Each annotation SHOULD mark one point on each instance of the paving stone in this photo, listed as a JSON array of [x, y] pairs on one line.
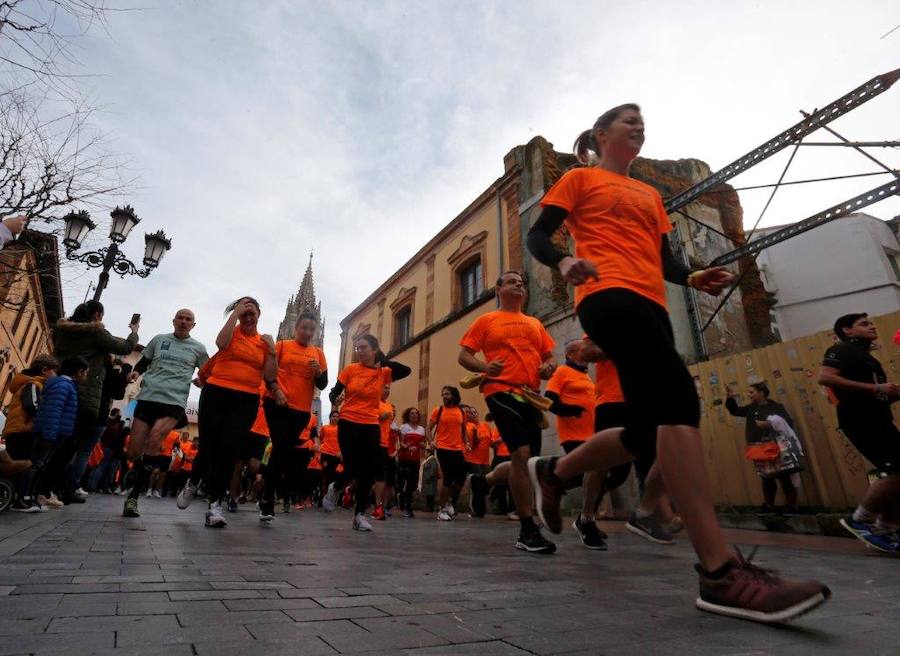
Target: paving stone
[[170, 607], [9, 627], [196, 595], [233, 617], [78, 643], [126, 623], [361, 600], [348, 613], [309, 646], [271, 604]]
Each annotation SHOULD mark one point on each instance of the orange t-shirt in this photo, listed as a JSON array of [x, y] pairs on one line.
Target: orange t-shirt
[[362, 392], [260, 425], [239, 366], [295, 377], [617, 223], [169, 442], [497, 443], [480, 439], [329, 440], [573, 388], [188, 453], [448, 433], [384, 424], [306, 440], [606, 386], [517, 339]]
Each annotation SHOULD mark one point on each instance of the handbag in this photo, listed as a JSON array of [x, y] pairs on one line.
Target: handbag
[[762, 452]]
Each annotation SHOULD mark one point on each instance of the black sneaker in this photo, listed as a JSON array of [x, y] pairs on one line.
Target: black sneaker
[[25, 506], [548, 490], [650, 529], [591, 536], [534, 542], [131, 508], [478, 491]]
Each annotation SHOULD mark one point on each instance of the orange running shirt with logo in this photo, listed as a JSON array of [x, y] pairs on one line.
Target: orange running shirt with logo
[[295, 375], [260, 426], [500, 448], [480, 439], [449, 427], [573, 388], [606, 384], [362, 392], [188, 453], [239, 365], [518, 340], [385, 417], [617, 223], [328, 440]]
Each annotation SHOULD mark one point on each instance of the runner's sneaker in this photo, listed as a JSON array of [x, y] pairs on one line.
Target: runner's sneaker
[[450, 510], [479, 490], [49, 502], [156, 494], [753, 593], [232, 505], [591, 536], [329, 503], [874, 537], [534, 542], [378, 513], [408, 513], [548, 490], [131, 508], [512, 516], [148, 494], [214, 516], [360, 523], [347, 498], [649, 528], [26, 505], [444, 516], [187, 494], [80, 493], [266, 512]]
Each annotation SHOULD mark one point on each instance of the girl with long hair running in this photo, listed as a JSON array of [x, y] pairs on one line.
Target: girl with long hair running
[[362, 384], [412, 436], [301, 370], [622, 260]]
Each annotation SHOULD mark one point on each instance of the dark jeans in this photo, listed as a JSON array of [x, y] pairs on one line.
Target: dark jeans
[[29, 480], [104, 475], [409, 476], [87, 434]]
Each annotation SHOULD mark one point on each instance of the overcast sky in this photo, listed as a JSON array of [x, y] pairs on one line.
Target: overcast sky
[[261, 130]]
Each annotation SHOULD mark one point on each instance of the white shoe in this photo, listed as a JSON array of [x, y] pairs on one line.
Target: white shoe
[[148, 494], [187, 494], [329, 502], [214, 516], [450, 510], [80, 493], [360, 523], [444, 516], [512, 516], [156, 494], [265, 516], [49, 502]]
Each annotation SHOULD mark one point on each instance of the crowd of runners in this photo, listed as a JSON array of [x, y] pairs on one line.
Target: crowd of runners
[[259, 438]]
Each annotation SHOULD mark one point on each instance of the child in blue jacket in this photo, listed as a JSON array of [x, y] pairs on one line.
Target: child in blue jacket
[[53, 425]]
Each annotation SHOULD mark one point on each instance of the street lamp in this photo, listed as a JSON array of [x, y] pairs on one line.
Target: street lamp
[[110, 258]]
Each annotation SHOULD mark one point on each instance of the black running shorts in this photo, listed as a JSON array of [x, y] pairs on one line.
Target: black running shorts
[[453, 467], [149, 411], [876, 438], [518, 422]]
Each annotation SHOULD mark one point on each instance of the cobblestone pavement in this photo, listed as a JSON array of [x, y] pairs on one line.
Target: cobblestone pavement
[[83, 580]]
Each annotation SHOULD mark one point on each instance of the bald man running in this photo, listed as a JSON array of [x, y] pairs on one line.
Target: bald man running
[[167, 363]]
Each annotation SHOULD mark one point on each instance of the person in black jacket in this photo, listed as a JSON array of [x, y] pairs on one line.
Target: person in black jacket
[[757, 430]]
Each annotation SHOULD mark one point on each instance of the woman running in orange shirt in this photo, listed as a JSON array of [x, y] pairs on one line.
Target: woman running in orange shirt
[[622, 260], [331, 458], [362, 384], [301, 370], [229, 402]]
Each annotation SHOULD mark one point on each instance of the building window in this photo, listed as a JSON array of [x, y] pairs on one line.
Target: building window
[[895, 265], [471, 283], [402, 326]]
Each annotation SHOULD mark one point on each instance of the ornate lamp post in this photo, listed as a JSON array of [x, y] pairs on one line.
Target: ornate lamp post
[[110, 258]]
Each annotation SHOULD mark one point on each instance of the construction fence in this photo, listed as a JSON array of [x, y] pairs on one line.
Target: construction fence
[[836, 474]]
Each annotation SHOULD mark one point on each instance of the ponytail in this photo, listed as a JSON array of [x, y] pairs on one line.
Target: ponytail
[[586, 143]]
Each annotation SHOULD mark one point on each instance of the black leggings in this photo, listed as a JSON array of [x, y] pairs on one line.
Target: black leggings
[[226, 416], [409, 476], [300, 486], [361, 447], [635, 333], [285, 426], [329, 471]]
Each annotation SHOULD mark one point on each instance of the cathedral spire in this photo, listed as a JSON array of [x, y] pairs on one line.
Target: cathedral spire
[[303, 301]]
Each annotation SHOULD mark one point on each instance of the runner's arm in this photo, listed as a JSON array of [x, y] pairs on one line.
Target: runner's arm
[[736, 410], [469, 362], [831, 377], [321, 380], [142, 366], [561, 409], [335, 391], [539, 237], [673, 270], [398, 371]]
